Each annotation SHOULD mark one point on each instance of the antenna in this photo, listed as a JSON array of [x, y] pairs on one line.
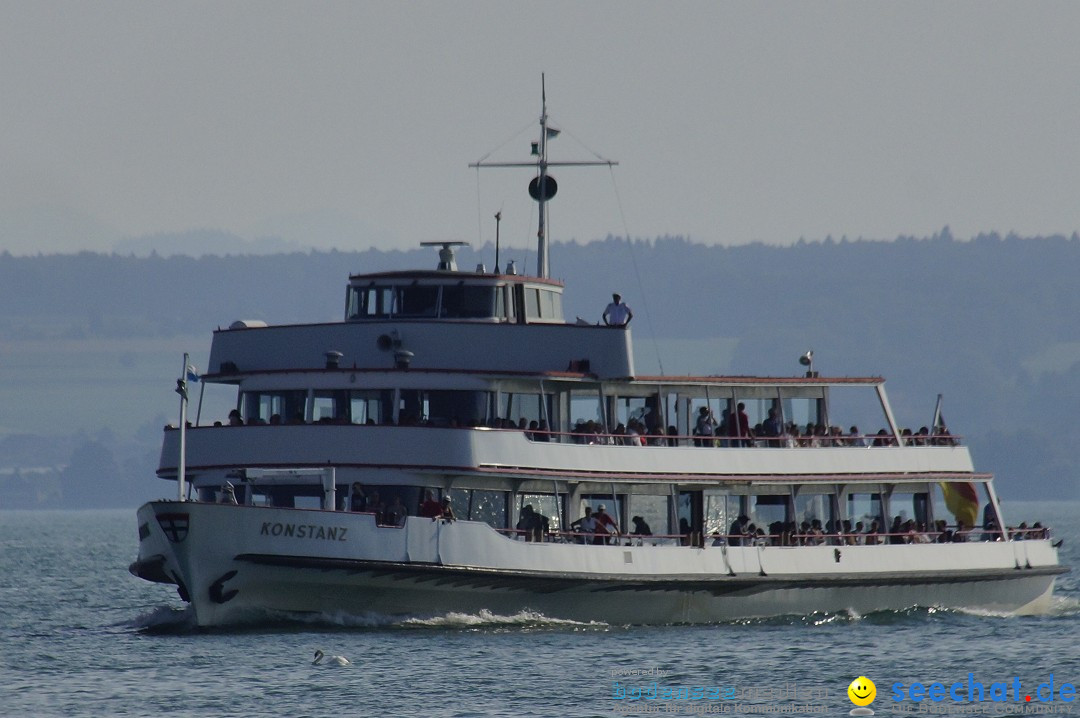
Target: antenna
[[543, 186], [498, 220]]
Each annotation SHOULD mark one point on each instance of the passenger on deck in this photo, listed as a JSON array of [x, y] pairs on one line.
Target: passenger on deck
[[896, 531], [357, 500], [705, 426], [617, 314], [586, 525], [606, 524], [228, 494], [235, 419], [846, 534], [395, 513], [673, 436], [771, 428], [859, 534], [684, 532], [740, 427], [872, 537], [447, 512], [429, 507], [375, 506], [776, 533], [532, 524], [640, 527], [542, 432], [738, 530]]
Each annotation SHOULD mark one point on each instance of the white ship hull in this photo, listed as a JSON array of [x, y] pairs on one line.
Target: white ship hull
[[236, 563]]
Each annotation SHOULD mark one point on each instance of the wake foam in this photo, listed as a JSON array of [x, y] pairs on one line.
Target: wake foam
[[486, 619], [164, 620]]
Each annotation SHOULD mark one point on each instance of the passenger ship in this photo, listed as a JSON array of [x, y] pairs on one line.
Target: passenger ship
[[470, 385]]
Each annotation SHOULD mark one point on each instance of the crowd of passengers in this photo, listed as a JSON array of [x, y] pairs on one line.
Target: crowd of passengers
[[708, 431], [736, 431], [843, 533], [394, 512], [600, 527]]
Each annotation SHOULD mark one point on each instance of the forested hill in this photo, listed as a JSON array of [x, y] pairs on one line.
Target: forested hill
[[993, 323]]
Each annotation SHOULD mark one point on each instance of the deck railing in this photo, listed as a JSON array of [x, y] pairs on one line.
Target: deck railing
[[648, 440], [701, 540]]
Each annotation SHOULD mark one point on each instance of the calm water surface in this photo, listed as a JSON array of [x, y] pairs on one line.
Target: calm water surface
[[79, 636]]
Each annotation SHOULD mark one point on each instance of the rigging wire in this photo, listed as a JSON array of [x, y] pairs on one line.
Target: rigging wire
[[582, 144], [637, 272]]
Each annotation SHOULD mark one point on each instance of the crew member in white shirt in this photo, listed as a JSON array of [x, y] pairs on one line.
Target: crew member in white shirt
[[617, 313]]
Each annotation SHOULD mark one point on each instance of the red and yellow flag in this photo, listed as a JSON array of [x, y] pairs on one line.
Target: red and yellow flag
[[962, 501]]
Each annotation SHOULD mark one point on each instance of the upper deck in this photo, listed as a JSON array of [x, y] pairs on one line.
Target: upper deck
[[441, 319]]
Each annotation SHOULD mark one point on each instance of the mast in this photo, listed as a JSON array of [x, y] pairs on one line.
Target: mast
[[541, 197], [543, 186]]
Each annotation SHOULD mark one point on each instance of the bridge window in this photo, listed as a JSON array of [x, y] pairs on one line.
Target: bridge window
[[416, 301], [465, 302]]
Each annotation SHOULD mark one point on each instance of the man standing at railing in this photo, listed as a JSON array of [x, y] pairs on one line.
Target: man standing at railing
[[605, 524], [587, 525], [617, 314]]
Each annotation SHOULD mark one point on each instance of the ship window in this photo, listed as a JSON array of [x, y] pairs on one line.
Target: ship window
[[865, 508], [366, 302], [261, 407], [416, 301], [548, 309], [545, 504], [532, 303], [443, 408], [636, 408], [813, 506], [513, 303], [720, 510], [464, 302], [330, 407], [369, 407], [655, 510], [768, 509], [480, 505], [528, 407], [584, 407]]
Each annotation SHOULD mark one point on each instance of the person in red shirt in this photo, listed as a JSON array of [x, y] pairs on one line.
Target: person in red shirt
[[429, 507], [605, 524]]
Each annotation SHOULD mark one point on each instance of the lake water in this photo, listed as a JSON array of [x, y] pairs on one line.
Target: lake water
[[79, 636]]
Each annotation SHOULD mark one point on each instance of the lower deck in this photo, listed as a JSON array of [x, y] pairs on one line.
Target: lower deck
[[230, 559]]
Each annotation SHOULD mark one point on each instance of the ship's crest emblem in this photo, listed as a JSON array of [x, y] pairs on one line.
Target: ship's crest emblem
[[175, 526]]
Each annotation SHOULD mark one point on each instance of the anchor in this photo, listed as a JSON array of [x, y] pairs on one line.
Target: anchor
[[216, 593]]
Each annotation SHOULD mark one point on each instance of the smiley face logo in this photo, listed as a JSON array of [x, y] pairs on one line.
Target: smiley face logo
[[862, 691]]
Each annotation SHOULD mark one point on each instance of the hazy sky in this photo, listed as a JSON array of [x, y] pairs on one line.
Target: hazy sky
[[733, 122]]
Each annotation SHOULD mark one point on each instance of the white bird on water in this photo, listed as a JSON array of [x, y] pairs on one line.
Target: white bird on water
[[330, 660]]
